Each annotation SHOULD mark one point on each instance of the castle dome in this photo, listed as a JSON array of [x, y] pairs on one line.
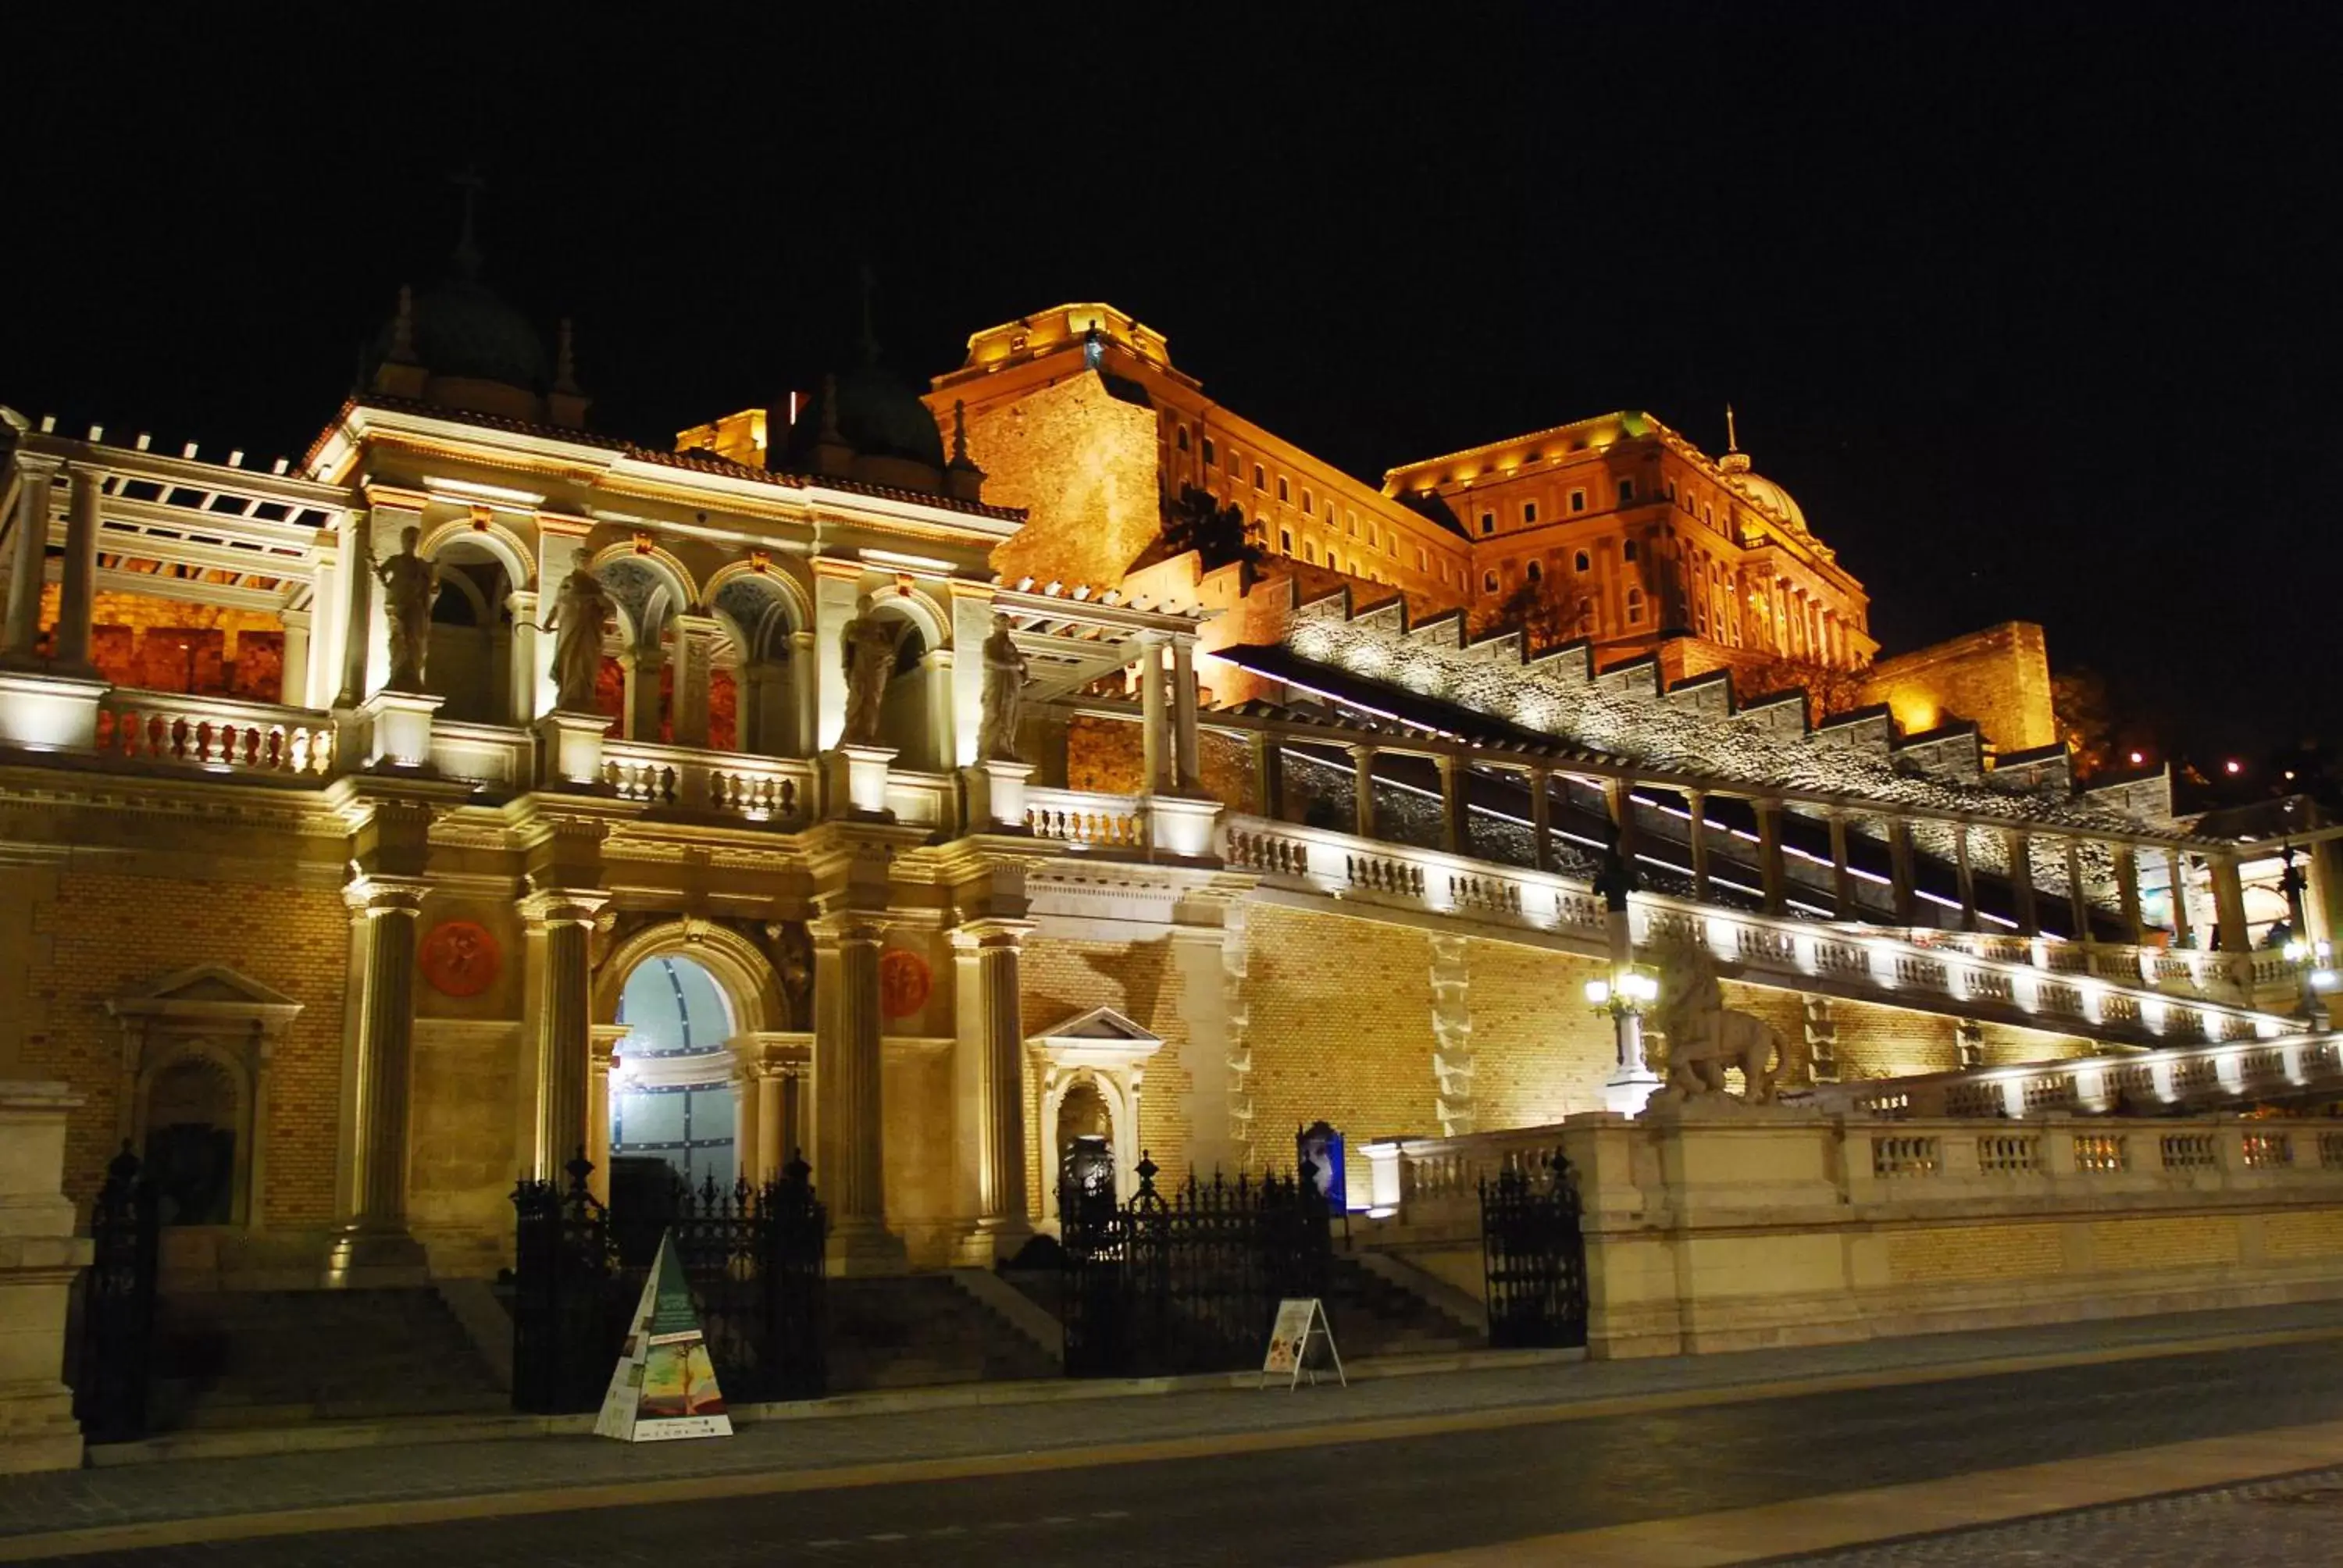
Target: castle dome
[[1768, 497], [462, 328], [877, 416]]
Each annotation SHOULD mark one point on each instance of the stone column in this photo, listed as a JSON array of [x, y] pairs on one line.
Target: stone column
[[601, 1056], [520, 672], [776, 1137], [850, 1163], [2177, 860], [2020, 847], [2128, 894], [694, 673], [357, 602], [642, 666], [560, 921], [1617, 795], [748, 1110], [1541, 818], [1772, 877], [77, 599], [40, 1258], [1904, 887], [292, 677], [1363, 790], [1965, 877], [1151, 710], [2079, 902], [2230, 905], [1269, 775], [1455, 804], [1842, 901], [386, 911], [805, 694], [989, 1080], [28, 563], [1185, 763]]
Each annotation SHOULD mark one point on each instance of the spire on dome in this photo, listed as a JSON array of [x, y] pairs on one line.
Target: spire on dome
[[1734, 461]]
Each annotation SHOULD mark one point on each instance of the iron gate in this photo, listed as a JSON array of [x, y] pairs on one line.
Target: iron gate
[[1187, 1283], [1533, 1255], [118, 1319], [753, 1257]]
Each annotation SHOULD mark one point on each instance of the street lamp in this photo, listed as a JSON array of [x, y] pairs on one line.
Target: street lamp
[[1626, 995]]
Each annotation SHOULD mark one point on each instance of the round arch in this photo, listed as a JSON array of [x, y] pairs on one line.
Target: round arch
[[660, 562], [737, 966], [775, 579], [497, 540], [921, 609]]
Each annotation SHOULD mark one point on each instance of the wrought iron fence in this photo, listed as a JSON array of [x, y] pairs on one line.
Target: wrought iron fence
[[1188, 1282], [118, 1324], [1534, 1255], [753, 1257]]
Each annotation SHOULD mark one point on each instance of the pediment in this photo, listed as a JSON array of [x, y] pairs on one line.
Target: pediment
[[1099, 1026], [211, 992]]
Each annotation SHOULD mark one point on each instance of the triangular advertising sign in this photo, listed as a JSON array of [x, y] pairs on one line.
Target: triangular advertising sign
[[664, 1386]]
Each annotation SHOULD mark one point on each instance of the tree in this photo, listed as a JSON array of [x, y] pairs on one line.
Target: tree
[[1829, 689], [1537, 607], [1217, 534], [2084, 718]]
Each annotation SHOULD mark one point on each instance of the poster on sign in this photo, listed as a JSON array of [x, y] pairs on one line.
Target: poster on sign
[[664, 1386], [1295, 1341]]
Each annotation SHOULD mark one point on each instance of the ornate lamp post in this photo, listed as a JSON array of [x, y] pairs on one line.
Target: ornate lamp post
[[1626, 995]]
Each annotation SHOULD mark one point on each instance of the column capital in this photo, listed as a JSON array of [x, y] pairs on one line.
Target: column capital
[[563, 906], [991, 933], [38, 465], [562, 525], [848, 927], [1151, 637], [368, 895], [1359, 751], [839, 568]]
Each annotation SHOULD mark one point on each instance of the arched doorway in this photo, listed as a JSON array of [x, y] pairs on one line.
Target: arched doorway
[[673, 1105]]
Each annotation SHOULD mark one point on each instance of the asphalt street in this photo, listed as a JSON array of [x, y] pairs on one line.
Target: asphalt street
[[1346, 1501]]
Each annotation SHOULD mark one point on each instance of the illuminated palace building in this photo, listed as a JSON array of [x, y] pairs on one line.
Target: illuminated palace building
[[342, 947]]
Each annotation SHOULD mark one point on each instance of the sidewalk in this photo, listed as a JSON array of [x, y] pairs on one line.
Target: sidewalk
[[949, 1425]]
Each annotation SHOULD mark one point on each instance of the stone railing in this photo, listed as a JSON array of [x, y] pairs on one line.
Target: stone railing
[[497, 756], [2022, 981], [1086, 818], [2299, 1066], [725, 783], [216, 734], [2274, 978], [1444, 1174]]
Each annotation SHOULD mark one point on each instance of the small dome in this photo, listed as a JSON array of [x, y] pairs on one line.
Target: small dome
[[463, 329], [1768, 497], [877, 416]]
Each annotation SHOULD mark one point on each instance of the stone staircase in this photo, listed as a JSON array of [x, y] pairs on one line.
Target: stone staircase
[[1376, 1316], [250, 1358], [920, 1329]]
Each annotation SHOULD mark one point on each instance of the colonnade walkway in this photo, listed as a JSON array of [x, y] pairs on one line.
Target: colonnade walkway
[[1508, 1449]]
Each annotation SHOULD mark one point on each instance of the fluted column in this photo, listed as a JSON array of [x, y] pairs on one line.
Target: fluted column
[[695, 672], [28, 563], [1151, 710], [850, 1161], [560, 920], [988, 1075], [384, 911], [78, 596]]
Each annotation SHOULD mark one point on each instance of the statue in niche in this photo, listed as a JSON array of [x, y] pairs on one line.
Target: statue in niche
[[579, 615], [409, 584], [792, 952], [1004, 695], [870, 648], [1705, 1037]]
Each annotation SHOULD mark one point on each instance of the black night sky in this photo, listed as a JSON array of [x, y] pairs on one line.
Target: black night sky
[[2031, 307]]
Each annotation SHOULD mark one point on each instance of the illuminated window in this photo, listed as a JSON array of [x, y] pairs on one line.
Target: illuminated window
[[1285, 541], [1211, 458], [1529, 511], [1626, 492], [1672, 489], [1536, 572], [1260, 479], [1708, 514], [1284, 493], [1627, 551], [1488, 522], [1578, 500], [1582, 562], [1634, 606], [1350, 524], [1370, 534], [1488, 582], [1423, 560], [1310, 551], [1182, 438], [1305, 503]]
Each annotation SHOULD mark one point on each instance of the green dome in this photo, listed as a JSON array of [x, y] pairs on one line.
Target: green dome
[[877, 416]]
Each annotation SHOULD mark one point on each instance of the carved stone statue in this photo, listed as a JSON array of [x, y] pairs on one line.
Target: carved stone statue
[[1004, 695], [1705, 1037], [870, 646], [409, 584], [578, 617]]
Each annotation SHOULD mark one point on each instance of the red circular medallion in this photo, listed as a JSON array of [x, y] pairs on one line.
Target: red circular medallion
[[460, 958], [903, 982]]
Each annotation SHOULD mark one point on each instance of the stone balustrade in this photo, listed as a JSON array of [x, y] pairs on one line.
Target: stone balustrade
[[1086, 818], [2040, 983], [2299, 1066], [726, 783], [217, 734]]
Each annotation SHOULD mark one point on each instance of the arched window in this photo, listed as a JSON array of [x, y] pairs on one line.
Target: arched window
[[1634, 606], [1582, 562], [1284, 491], [1211, 458], [671, 1095], [1306, 501], [1627, 551], [1181, 440], [1489, 582], [1260, 477], [1537, 572]]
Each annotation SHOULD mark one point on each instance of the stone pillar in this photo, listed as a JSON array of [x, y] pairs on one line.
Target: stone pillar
[[1772, 877], [293, 677], [1269, 775], [601, 1056], [358, 605], [776, 1137], [386, 911], [805, 695], [77, 599], [1455, 804], [2230, 905], [1185, 762], [1842, 901], [522, 655], [1965, 877], [1541, 819], [642, 666], [2079, 902], [748, 1107], [2020, 847], [29, 564], [1903, 887], [560, 919], [2128, 894], [1363, 790], [2176, 860], [694, 672], [850, 1163], [1617, 795], [40, 1258], [988, 1081], [1151, 710]]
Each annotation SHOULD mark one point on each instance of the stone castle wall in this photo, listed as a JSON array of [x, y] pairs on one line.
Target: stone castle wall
[[1082, 462], [1998, 677]]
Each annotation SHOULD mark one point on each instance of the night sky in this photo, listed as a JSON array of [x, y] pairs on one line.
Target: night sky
[[2032, 309]]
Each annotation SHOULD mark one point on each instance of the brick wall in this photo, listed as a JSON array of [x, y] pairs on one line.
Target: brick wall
[[2000, 678], [1060, 979]]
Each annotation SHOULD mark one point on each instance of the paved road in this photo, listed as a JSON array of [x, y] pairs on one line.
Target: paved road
[[1345, 1502]]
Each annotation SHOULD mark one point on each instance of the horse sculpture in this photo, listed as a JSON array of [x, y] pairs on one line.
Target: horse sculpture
[[1705, 1037]]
